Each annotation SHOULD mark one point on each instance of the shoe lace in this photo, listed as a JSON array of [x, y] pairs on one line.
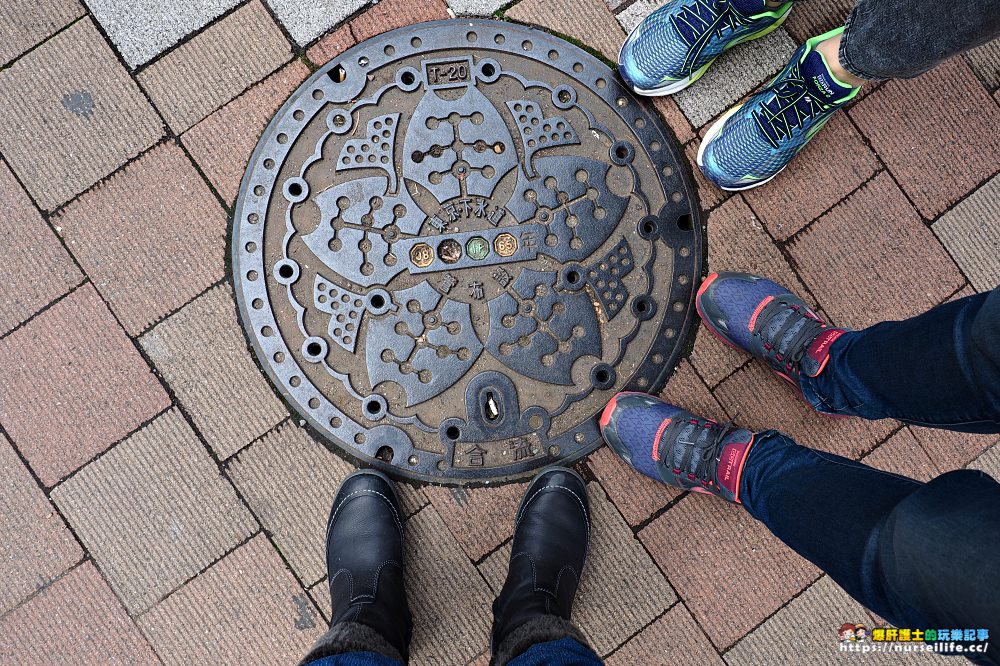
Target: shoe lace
[[701, 466], [700, 20], [789, 107], [794, 347]]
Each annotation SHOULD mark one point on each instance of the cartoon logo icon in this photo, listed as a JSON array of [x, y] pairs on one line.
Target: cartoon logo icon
[[846, 633], [860, 633]]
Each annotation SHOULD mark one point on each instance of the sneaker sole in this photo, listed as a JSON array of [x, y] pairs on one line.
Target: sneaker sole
[[681, 84], [713, 132]]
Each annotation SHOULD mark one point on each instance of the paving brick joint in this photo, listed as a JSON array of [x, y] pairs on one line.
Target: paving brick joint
[[161, 505]]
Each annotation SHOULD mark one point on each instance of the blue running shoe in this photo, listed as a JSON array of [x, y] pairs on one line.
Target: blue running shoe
[[674, 45], [676, 447], [765, 320], [754, 141]]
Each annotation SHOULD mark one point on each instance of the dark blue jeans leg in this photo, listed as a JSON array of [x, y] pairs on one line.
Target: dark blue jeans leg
[[356, 659], [939, 369], [919, 555], [563, 652]]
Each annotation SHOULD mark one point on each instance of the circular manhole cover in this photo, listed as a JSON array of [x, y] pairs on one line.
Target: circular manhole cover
[[456, 242]]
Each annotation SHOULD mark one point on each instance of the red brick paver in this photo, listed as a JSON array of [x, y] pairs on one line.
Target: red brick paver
[[480, 518], [26, 22], [72, 384], [590, 22], [449, 599], [391, 14], [810, 19], [246, 609], [673, 639], [834, 164], [72, 115], [208, 71], [36, 546], [937, 133], [864, 273], [901, 454], [331, 45], [952, 450], [222, 143], [674, 117], [150, 254], [720, 560], [738, 242], [714, 359], [202, 354], [36, 268], [154, 511], [76, 620]]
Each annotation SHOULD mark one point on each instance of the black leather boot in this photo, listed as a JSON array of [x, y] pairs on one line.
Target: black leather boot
[[551, 535], [364, 558]]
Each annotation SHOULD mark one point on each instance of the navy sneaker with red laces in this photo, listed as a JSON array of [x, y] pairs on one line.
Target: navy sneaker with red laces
[[672, 445], [768, 322]]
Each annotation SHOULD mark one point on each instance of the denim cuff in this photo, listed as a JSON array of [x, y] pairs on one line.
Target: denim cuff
[[345, 637], [844, 55], [540, 630]]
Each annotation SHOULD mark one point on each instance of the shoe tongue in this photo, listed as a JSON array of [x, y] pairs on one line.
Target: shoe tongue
[[748, 7], [820, 81], [818, 352], [735, 447]]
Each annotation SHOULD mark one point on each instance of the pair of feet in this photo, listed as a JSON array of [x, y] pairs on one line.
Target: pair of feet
[[365, 561], [751, 143], [669, 444]]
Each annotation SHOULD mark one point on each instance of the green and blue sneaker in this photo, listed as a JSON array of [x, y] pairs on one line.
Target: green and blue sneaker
[[674, 45], [754, 141]]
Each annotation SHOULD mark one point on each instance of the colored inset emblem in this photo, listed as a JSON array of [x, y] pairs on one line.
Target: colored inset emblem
[[422, 255], [450, 251], [477, 248], [456, 241], [505, 245]]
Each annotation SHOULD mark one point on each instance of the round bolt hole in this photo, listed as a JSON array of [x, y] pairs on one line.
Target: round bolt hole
[[378, 301], [314, 349], [286, 271], [572, 277], [621, 152], [642, 306], [649, 227], [373, 407], [295, 189], [685, 222], [384, 454], [602, 376], [452, 432], [408, 78], [489, 70]]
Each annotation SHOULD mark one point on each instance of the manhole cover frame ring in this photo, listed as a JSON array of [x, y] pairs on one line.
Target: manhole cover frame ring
[[677, 319]]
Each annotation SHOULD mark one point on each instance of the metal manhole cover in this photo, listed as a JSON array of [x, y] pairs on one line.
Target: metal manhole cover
[[456, 242]]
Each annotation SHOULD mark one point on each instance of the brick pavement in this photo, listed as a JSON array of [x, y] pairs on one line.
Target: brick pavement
[[163, 507]]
